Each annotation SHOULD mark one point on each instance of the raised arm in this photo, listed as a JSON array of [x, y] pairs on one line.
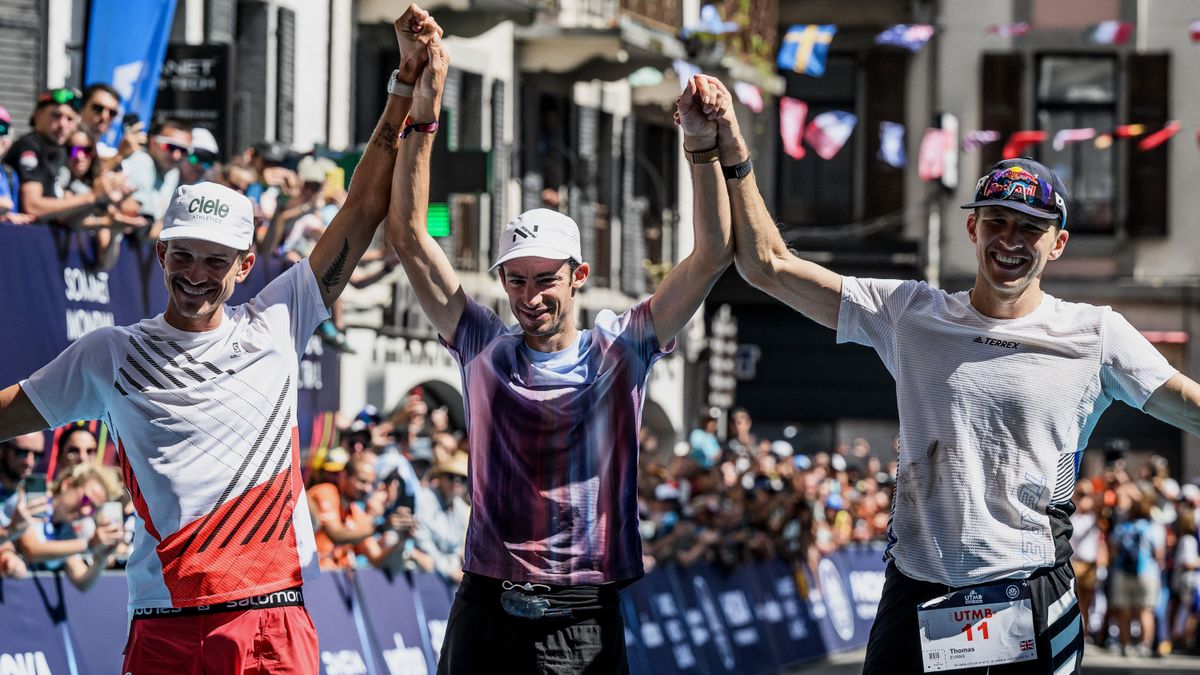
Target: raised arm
[[429, 271], [340, 248], [761, 255], [1177, 402], [688, 283]]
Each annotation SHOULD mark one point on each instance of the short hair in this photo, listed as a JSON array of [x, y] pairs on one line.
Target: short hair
[[71, 431], [99, 86], [83, 474], [169, 123]]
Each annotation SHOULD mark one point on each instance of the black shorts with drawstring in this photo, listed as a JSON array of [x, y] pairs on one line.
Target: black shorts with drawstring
[[894, 647], [491, 629]]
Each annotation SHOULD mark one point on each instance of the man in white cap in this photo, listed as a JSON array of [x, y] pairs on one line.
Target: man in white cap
[[202, 402], [553, 412]]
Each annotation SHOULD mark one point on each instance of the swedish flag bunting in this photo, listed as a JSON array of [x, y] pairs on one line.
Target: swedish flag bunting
[[804, 49]]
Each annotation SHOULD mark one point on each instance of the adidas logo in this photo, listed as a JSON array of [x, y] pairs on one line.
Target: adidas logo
[[997, 343], [973, 598]]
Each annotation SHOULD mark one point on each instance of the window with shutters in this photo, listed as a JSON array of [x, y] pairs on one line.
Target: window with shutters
[[285, 79], [1080, 92], [1114, 189], [655, 177]]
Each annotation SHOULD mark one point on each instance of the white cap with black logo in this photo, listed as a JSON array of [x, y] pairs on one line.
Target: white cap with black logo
[[210, 212], [539, 233]]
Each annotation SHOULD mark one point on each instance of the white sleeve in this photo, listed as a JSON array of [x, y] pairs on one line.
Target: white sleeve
[[870, 310], [1131, 368], [293, 297], [77, 384]]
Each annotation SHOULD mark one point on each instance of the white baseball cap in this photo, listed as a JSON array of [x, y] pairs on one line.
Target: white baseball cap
[[202, 139], [539, 233], [210, 212]]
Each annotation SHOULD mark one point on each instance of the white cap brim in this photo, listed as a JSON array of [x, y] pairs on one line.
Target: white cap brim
[[206, 233], [534, 252]]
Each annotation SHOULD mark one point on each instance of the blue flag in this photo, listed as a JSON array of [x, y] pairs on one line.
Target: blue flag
[[891, 144], [804, 49], [127, 40]]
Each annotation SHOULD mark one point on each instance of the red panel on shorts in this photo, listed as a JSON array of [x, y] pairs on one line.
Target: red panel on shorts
[[246, 547]]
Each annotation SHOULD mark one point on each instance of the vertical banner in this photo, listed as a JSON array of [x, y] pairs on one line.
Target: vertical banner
[[125, 47]]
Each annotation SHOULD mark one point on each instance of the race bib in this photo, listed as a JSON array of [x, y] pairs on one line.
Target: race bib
[[984, 626]]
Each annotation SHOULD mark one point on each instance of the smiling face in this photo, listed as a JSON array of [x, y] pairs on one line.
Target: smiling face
[[80, 152], [200, 277], [1011, 249], [541, 295]]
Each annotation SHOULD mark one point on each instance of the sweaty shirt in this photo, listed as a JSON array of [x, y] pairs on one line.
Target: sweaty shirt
[[553, 448], [206, 430], [993, 416]]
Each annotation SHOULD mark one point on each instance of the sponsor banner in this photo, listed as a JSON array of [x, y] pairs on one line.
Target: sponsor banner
[[734, 605], [391, 614], [62, 297], [845, 595], [797, 635], [332, 603], [701, 610], [32, 635], [435, 596], [655, 616], [194, 86], [97, 637]]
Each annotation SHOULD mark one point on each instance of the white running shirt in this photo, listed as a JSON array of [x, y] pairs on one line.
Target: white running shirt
[[207, 434], [992, 415]]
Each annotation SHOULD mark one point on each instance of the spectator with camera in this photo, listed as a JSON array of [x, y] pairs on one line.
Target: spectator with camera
[[101, 105], [85, 527], [21, 505], [154, 172], [39, 159], [442, 515]]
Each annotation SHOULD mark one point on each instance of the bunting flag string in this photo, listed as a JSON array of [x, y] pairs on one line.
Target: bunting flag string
[[891, 144], [791, 125], [749, 95], [829, 131], [1019, 140], [1064, 136], [804, 49], [1159, 137], [906, 36], [1009, 30], [973, 140]]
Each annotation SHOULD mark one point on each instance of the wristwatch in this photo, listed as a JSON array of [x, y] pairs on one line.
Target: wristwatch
[[703, 156], [397, 88], [740, 170]]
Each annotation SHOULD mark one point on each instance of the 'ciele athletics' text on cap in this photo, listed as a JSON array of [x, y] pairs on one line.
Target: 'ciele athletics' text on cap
[[210, 212]]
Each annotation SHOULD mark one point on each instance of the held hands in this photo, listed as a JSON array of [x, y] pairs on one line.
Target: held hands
[[698, 110], [415, 30], [427, 94]]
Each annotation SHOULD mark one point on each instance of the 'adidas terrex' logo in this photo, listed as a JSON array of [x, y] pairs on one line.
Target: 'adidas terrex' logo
[[997, 343], [210, 206]]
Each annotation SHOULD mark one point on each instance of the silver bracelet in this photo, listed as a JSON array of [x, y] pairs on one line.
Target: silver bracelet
[[397, 88]]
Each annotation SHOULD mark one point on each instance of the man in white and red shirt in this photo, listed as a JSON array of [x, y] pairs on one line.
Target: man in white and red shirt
[[202, 401]]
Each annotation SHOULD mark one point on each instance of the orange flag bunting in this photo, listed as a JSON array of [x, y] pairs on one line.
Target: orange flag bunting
[[1019, 141], [1161, 136]]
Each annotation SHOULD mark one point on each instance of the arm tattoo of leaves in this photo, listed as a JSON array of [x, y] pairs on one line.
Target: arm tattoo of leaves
[[333, 275], [386, 137]]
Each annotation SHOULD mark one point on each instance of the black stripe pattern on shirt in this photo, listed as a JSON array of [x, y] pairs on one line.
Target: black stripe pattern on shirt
[[238, 475], [254, 481]]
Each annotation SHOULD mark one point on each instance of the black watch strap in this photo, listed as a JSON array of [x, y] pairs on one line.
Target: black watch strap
[[740, 170]]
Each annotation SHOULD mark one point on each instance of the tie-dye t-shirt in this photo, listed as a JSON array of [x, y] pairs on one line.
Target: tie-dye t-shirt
[[553, 448]]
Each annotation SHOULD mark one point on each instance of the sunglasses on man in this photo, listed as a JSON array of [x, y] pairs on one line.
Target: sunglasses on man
[[62, 96], [203, 159], [103, 109], [170, 146], [5, 129]]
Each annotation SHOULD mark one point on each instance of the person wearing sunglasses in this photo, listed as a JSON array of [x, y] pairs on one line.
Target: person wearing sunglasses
[[101, 107], [9, 182], [39, 158], [154, 172], [79, 540], [200, 162]]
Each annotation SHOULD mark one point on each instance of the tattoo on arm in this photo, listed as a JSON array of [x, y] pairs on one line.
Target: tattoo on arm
[[387, 137], [333, 275]]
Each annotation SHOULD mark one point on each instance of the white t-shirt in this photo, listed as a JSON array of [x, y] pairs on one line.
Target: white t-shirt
[[207, 434], [993, 416]]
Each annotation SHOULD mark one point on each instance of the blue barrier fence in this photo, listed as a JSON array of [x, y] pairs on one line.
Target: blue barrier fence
[[694, 620]]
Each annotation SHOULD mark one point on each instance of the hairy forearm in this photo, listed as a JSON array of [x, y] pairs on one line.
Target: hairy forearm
[[410, 193]]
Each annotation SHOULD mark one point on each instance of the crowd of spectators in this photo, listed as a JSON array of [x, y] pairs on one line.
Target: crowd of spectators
[[750, 497], [62, 173]]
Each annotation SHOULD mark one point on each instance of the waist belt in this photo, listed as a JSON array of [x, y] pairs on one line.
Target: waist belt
[[528, 600], [292, 597]]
